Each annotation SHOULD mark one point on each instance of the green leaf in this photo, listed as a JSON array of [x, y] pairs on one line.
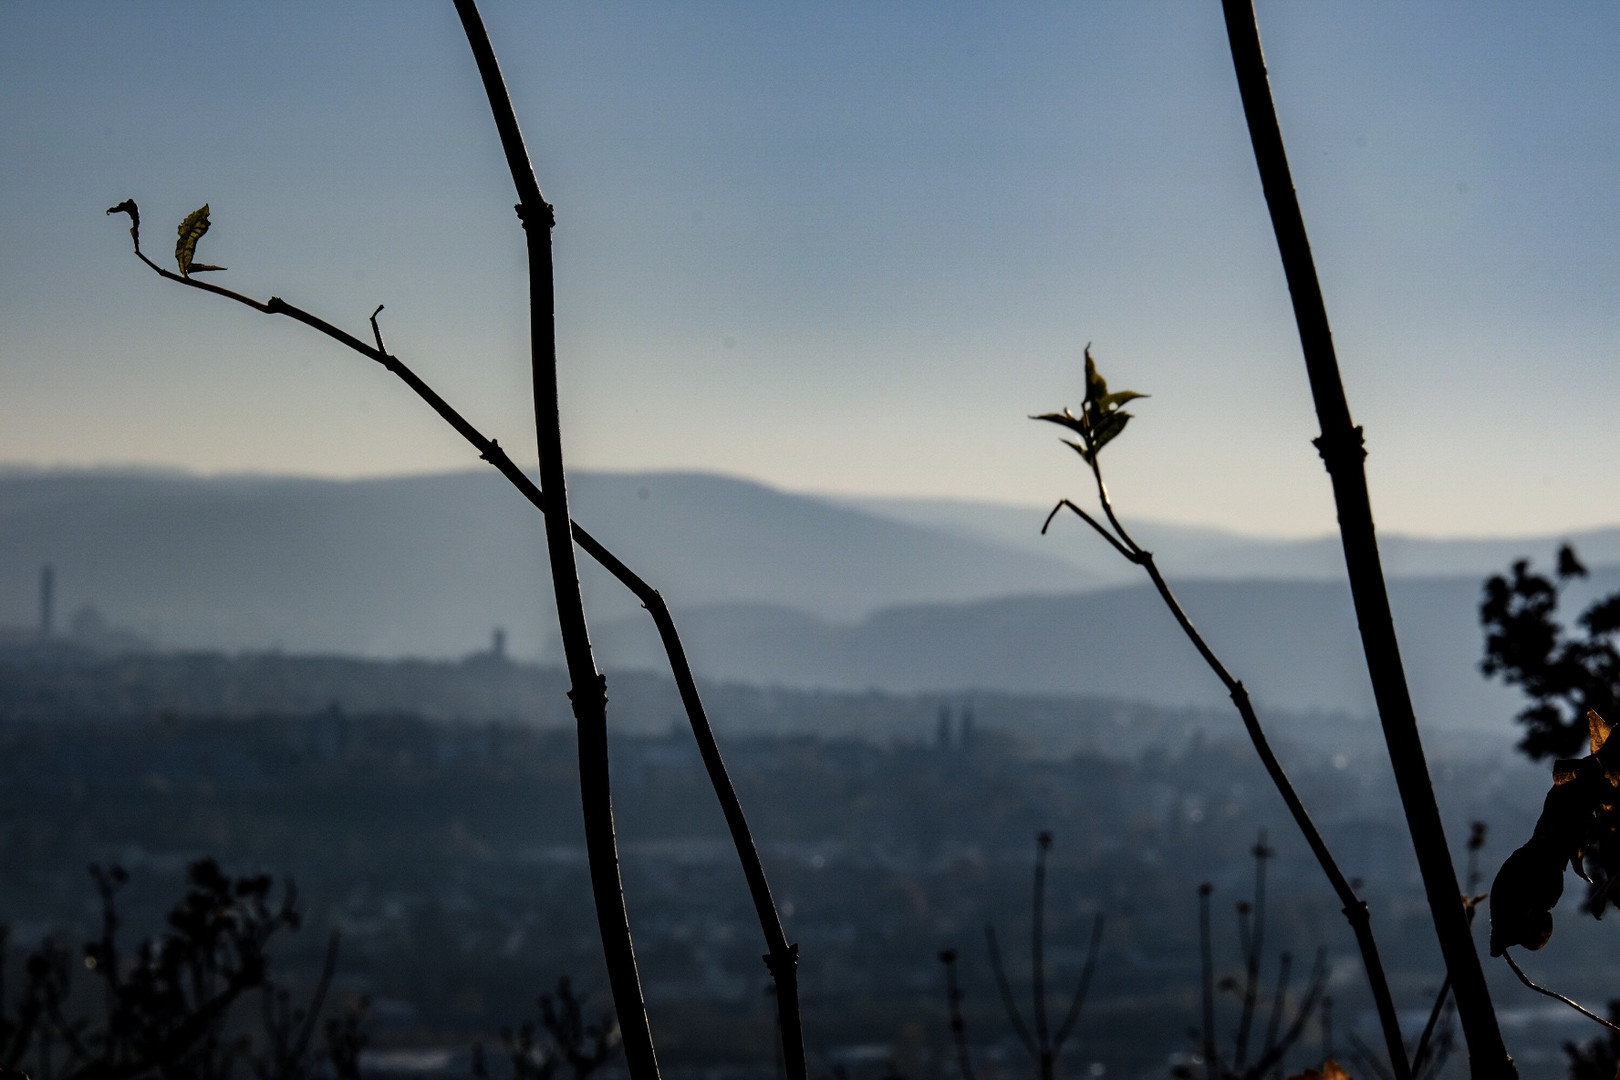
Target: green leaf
[[1096, 385], [1085, 453], [1108, 427], [1118, 398], [191, 230], [1067, 419], [1101, 419]]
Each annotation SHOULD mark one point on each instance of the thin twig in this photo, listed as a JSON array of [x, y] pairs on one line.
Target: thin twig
[[1420, 1055], [328, 969], [1355, 909], [953, 1003], [1089, 520], [1206, 963], [1254, 927], [1555, 995], [1080, 991], [1037, 937], [1279, 1001], [1005, 989]]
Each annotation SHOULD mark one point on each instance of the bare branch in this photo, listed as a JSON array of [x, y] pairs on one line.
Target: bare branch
[[1555, 995]]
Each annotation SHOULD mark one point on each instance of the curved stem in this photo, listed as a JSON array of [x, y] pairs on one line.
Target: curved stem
[[1005, 989], [1037, 950], [782, 957], [1555, 995], [1355, 909], [1079, 1002]]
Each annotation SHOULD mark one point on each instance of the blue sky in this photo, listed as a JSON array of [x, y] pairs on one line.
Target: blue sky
[[834, 247]]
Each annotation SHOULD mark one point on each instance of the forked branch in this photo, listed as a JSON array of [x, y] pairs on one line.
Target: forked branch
[[782, 956], [1355, 909]]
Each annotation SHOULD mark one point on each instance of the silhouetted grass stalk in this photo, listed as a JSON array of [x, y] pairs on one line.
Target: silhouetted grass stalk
[[1280, 1037], [1344, 453], [1043, 1045], [953, 1005]]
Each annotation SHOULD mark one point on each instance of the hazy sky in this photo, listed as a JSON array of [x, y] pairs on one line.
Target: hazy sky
[[833, 246]]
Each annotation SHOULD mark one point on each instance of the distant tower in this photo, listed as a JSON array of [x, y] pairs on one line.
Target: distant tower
[[47, 601], [497, 647]]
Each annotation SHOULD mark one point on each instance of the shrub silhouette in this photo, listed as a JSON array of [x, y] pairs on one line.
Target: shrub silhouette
[[167, 1006], [1569, 680], [1043, 1044], [1286, 1021], [537, 1049], [1563, 674]]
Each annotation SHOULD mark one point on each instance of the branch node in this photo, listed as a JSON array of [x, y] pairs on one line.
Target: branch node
[[1342, 449], [594, 687], [782, 964], [547, 211]]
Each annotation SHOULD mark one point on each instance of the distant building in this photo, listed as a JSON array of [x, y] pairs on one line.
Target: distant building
[[47, 601]]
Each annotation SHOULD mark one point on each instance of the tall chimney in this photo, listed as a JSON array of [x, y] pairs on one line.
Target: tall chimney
[[47, 601]]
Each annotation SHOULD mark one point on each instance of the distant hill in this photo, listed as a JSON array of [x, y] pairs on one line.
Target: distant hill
[[1190, 552], [769, 586], [428, 565], [1294, 644]]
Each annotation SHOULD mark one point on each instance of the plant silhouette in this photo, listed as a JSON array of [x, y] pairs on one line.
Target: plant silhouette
[[1100, 420], [1598, 1059], [588, 695], [167, 1005], [1570, 680], [1343, 449], [1564, 675], [537, 1049], [1040, 1040], [1286, 1021]]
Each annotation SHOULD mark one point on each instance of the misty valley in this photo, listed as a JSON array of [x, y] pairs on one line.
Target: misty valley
[[445, 842]]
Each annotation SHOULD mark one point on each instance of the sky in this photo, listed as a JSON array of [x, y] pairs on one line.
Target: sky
[[840, 247]]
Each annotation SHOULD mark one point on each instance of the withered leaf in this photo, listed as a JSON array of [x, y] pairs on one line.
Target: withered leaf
[[192, 230], [1330, 1070], [1579, 828]]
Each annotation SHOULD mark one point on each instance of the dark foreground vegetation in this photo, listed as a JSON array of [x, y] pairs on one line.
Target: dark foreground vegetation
[[449, 853]]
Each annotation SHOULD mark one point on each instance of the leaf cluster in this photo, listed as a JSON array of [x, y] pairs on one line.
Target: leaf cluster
[[1564, 674], [1579, 828], [1101, 416]]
